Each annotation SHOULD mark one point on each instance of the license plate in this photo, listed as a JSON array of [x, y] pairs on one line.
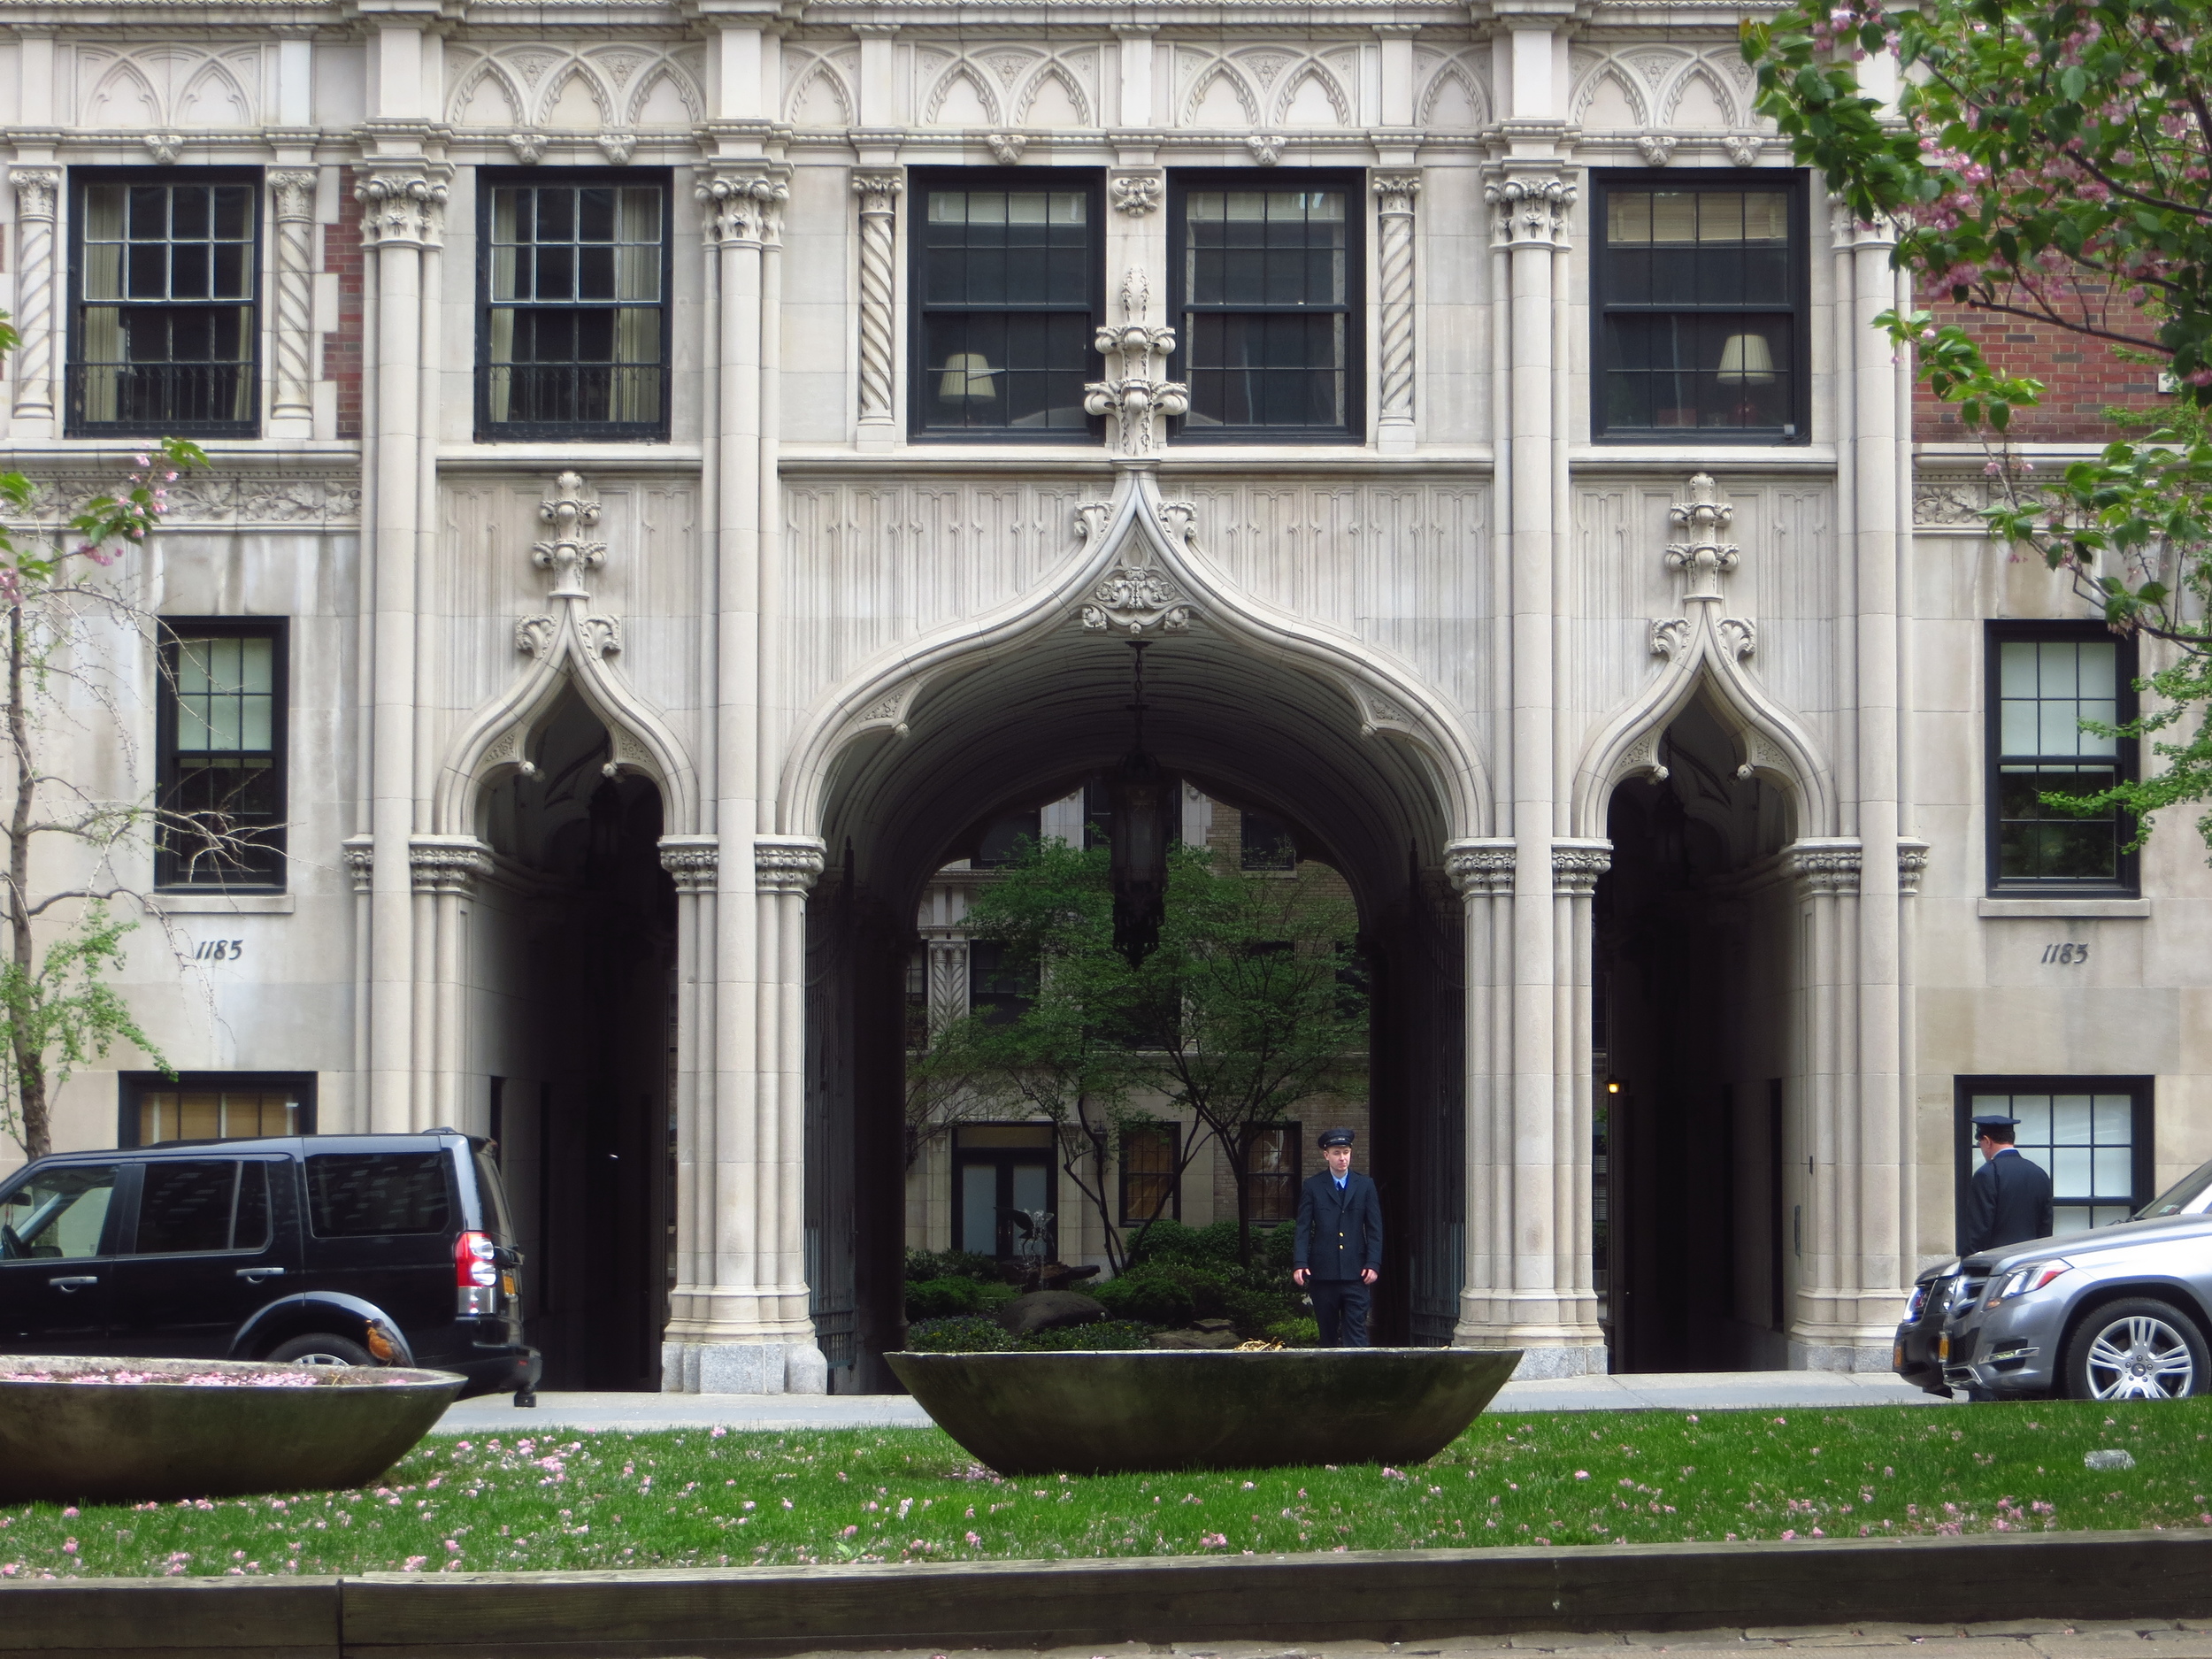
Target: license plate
[[1943, 1349]]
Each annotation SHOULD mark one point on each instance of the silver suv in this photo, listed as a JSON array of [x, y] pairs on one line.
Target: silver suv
[[2121, 1313]]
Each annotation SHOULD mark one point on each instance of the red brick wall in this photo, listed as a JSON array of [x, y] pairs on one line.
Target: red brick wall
[[2081, 376], [342, 350]]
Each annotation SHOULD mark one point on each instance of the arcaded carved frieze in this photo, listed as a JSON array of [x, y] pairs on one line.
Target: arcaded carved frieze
[[215, 500], [573, 92], [1659, 88], [159, 90]]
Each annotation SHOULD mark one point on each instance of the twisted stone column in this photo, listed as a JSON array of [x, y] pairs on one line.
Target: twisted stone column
[[878, 194], [292, 198], [37, 190], [1394, 194]]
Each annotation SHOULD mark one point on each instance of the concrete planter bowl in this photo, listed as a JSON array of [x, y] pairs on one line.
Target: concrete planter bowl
[[1168, 1408], [108, 1431]]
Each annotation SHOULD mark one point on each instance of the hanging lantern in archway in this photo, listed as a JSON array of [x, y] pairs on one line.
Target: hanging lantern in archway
[[1138, 795]]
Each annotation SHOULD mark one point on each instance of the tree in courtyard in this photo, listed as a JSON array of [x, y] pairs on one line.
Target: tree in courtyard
[[1244, 1010], [2049, 162], [58, 1009]]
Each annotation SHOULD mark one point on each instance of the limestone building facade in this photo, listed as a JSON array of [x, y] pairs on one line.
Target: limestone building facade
[[683, 469]]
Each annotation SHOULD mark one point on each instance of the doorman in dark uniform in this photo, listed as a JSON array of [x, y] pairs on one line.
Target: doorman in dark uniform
[[2009, 1200], [1338, 1251]]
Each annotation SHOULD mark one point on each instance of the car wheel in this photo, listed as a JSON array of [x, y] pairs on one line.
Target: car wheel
[[320, 1350], [2136, 1349]]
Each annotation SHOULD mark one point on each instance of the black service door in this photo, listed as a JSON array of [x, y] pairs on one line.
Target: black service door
[[216, 1240], [58, 1229]]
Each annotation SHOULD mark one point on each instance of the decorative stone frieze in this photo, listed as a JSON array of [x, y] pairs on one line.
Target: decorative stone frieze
[[693, 862], [787, 863], [1480, 869], [1824, 868], [1575, 867], [438, 864], [1136, 194], [37, 190], [1531, 211], [401, 208], [209, 500], [292, 201], [878, 194], [742, 209], [1136, 394], [1133, 599]]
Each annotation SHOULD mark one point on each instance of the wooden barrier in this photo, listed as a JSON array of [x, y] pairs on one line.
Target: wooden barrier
[[1387, 1596]]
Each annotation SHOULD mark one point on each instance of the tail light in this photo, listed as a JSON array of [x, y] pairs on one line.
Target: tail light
[[475, 1274]]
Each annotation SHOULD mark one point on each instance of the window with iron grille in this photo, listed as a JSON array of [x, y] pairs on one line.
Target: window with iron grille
[[164, 304], [1700, 308], [2091, 1134], [219, 722], [574, 274], [1267, 300], [1151, 1158], [2043, 680], [1271, 1174], [1008, 272]]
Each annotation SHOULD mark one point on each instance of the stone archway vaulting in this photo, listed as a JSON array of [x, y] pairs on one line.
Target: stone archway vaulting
[[1141, 571], [570, 644], [1704, 645]]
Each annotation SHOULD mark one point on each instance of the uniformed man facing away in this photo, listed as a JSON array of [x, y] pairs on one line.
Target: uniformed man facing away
[[2009, 1200], [1339, 1251]]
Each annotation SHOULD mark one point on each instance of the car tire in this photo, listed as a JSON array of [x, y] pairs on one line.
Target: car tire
[[2138, 1348], [319, 1349]]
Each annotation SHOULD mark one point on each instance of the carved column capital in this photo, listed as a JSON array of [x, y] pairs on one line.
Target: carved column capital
[[1575, 867], [1394, 192], [37, 191], [1827, 867], [693, 861], [1912, 864], [448, 864], [787, 863], [292, 194], [879, 192], [1480, 869], [1530, 212], [742, 209], [359, 854], [403, 209]]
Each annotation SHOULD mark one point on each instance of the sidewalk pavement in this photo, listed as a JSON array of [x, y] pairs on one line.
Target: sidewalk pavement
[[1685, 1391]]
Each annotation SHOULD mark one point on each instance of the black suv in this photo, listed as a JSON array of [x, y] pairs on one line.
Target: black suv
[[324, 1249]]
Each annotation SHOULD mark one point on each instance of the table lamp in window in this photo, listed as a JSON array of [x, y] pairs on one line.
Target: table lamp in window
[[1747, 366], [968, 378]]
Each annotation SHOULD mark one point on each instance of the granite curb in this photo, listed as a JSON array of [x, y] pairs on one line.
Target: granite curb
[[2059, 1591]]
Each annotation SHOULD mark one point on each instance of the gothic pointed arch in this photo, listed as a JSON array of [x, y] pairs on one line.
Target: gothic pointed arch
[[571, 645], [1703, 648]]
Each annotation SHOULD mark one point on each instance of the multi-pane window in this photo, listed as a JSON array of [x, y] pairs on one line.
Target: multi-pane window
[[213, 1106], [220, 725], [2091, 1134], [1150, 1160], [574, 339], [2044, 681], [1700, 302], [1000, 987], [164, 283], [1266, 286], [1265, 843], [1004, 1189], [1271, 1189], [1006, 286]]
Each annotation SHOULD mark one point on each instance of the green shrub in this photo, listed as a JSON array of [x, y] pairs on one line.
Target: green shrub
[[1299, 1332], [997, 1291], [943, 1298], [952, 1264], [1152, 1298], [968, 1334], [1103, 1333]]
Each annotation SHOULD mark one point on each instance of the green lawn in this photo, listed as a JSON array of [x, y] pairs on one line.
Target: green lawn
[[567, 1501]]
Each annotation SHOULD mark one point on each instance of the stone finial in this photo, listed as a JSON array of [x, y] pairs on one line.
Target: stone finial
[[565, 553]]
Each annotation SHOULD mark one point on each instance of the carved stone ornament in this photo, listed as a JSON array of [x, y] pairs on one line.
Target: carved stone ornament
[[226, 500], [359, 854], [1912, 864], [618, 148], [1266, 147], [1135, 395], [741, 208], [1824, 868], [1006, 148], [402, 210], [443, 864], [292, 192], [694, 861], [1136, 194], [1702, 555], [1743, 148], [37, 189], [529, 148], [787, 863], [1134, 598], [566, 553], [1531, 211], [1577, 865], [1656, 149], [165, 148], [1480, 869]]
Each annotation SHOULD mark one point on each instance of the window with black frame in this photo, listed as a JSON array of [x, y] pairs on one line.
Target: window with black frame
[[219, 720], [2091, 1134], [2044, 680], [213, 1106], [1271, 1174], [1151, 1159], [1699, 300], [574, 336], [1006, 286], [165, 328], [1266, 296]]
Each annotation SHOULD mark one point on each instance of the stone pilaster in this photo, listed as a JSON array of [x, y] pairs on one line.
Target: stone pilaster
[[1394, 197], [292, 208], [878, 194]]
